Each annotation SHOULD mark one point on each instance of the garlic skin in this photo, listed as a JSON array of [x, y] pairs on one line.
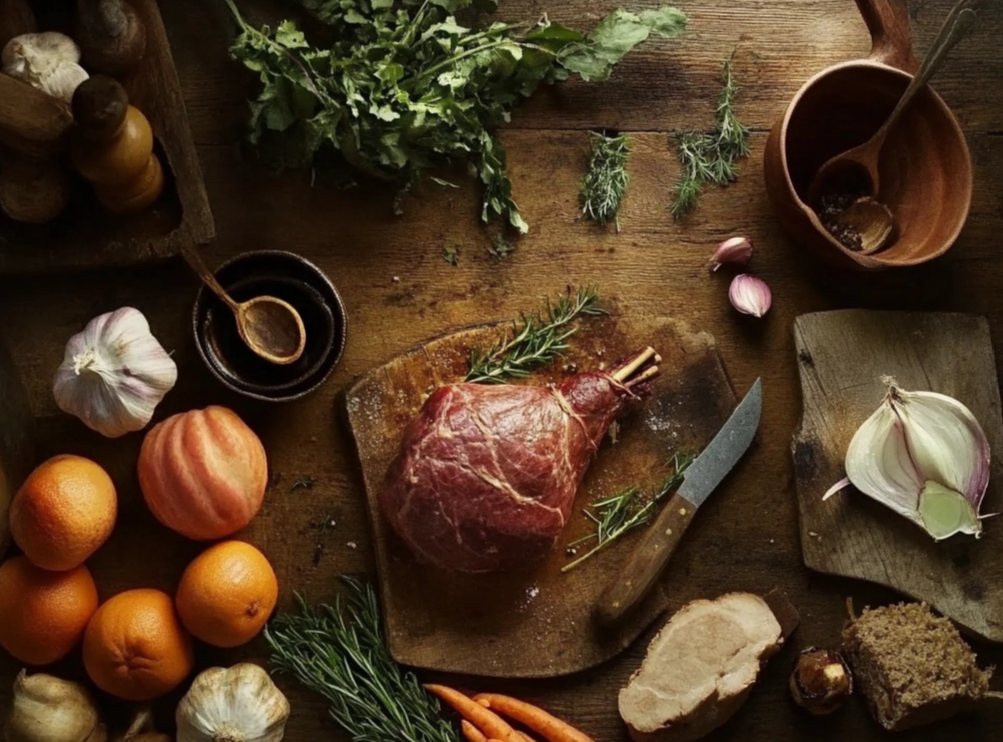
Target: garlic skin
[[734, 251], [47, 709], [114, 374], [48, 61], [239, 704], [750, 295], [925, 456]]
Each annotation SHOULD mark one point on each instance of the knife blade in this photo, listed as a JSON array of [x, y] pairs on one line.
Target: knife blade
[[702, 477]]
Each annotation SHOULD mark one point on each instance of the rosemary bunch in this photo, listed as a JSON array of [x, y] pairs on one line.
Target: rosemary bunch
[[626, 510], [605, 184], [342, 656], [539, 340], [711, 156]]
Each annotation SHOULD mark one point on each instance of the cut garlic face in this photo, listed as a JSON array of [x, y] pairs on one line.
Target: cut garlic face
[[925, 456]]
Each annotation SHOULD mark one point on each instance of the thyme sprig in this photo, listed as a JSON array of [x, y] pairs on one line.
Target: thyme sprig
[[537, 340], [606, 181], [711, 156], [626, 510], [341, 654]]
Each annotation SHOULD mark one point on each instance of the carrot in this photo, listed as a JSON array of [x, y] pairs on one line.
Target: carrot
[[549, 727], [472, 733], [487, 722], [487, 704]]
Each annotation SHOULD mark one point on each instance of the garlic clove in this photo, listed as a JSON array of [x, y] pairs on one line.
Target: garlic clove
[[945, 512], [925, 456], [750, 295], [734, 251], [946, 441]]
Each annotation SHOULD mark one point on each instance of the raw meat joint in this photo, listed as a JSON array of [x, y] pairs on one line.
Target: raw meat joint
[[486, 475]]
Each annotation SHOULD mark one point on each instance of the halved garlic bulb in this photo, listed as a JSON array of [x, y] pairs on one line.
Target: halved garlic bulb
[[925, 456]]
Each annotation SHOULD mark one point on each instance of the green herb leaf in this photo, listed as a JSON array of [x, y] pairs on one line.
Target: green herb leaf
[[538, 340], [451, 255], [400, 88], [711, 157], [340, 653], [605, 184], [620, 513]]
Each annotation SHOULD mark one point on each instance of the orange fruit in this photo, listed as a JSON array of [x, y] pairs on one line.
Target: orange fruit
[[227, 594], [135, 648], [43, 614], [63, 512]]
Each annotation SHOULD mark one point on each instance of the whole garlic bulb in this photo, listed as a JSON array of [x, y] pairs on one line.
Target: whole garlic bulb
[[48, 61], [47, 709], [239, 704], [114, 373]]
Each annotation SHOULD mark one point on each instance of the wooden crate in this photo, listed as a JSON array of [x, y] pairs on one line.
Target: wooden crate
[[86, 235]]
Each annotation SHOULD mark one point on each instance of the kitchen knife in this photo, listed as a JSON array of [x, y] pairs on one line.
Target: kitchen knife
[[663, 536]]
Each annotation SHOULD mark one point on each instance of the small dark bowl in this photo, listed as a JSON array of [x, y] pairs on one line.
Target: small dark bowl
[[296, 280]]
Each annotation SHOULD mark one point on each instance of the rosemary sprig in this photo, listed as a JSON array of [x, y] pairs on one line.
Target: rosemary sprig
[[711, 156], [537, 342], [605, 184], [342, 656], [626, 510]]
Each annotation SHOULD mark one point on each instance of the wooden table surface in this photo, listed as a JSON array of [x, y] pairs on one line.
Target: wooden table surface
[[399, 290]]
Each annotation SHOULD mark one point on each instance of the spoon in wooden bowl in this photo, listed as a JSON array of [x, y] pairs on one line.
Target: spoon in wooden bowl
[[270, 327], [871, 219]]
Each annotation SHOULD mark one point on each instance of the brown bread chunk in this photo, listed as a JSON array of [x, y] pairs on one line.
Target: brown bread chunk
[[913, 667]]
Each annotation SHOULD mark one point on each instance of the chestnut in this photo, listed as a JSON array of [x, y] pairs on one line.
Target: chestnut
[[821, 681]]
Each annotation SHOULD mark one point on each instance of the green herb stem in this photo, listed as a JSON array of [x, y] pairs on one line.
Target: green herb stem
[[340, 653], [395, 107], [605, 184], [628, 509], [539, 341], [710, 157]]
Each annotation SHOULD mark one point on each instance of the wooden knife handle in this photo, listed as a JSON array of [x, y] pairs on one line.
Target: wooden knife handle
[[647, 561]]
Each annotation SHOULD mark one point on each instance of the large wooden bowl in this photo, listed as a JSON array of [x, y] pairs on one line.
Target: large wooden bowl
[[926, 169]]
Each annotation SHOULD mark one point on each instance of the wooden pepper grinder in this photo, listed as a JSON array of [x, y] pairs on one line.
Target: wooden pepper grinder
[[112, 147]]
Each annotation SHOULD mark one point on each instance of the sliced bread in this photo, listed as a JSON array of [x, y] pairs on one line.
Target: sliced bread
[[700, 668], [913, 667]]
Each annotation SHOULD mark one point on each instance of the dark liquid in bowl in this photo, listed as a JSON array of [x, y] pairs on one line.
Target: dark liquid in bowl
[[231, 356]]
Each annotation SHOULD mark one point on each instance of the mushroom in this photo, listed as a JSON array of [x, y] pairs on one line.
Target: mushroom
[[48, 61], [821, 681], [111, 34]]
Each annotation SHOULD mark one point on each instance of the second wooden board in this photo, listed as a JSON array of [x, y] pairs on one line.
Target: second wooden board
[[534, 623], [842, 357]]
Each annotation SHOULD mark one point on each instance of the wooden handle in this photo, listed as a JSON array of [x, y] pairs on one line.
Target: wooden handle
[[32, 122], [891, 33], [645, 564], [198, 265], [959, 23]]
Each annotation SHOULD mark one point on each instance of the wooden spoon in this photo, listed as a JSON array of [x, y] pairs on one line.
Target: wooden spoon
[[863, 160], [270, 327]]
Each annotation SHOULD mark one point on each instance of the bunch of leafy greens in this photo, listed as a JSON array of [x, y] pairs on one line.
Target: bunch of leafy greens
[[605, 184], [401, 86], [711, 157]]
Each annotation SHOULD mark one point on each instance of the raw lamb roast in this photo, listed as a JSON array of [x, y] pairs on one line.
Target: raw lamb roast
[[486, 475]]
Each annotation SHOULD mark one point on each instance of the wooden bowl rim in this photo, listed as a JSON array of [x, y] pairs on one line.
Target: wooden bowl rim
[[872, 261]]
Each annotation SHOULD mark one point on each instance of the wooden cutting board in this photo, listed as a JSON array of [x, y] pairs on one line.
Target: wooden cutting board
[[534, 623], [841, 356]]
